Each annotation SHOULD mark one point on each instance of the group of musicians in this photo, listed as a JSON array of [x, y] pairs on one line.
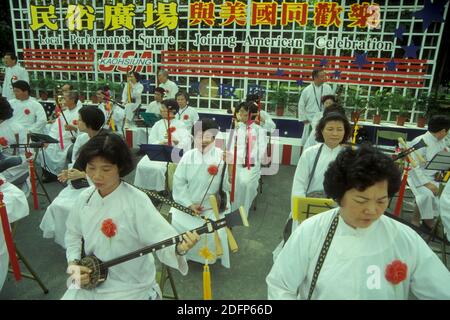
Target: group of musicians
[[99, 214]]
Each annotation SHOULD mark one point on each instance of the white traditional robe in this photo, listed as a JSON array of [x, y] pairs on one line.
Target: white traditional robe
[[55, 158], [247, 181], [427, 202], [30, 114], [170, 89], [14, 133], [153, 107], [13, 73], [188, 116], [16, 205], [444, 206], [138, 224], [310, 104], [53, 224], [152, 174], [311, 141], [136, 94], [355, 265], [190, 182]]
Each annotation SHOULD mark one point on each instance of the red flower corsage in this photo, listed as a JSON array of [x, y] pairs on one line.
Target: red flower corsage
[[26, 111], [3, 141], [172, 129], [109, 228], [396, 272], [14, 78], [186, 117], [75, 122], [213, 169], [28, 154], [2, 182]]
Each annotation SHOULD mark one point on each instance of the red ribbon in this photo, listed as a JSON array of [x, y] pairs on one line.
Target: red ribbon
[[249, 138], [169, 132], [259, 109], [398, 205], [61, 140], [233, 177], [9, 240], [33, 185]]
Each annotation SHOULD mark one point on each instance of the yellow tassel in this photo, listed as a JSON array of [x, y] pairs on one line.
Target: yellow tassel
[[207, 295], [113, 126]]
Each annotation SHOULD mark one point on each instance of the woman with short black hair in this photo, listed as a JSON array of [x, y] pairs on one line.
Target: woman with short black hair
[[53, 224], [113, 218], [354, 251]]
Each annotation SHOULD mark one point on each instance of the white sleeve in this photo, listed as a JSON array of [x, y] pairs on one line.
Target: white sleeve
[[302, 106], [180, 184], [269, 125], [290, 268], [430, 279], [153, 228], [301, 175], [41, 120], [153, 137], [125, 93], [137, 93], [74, 234]]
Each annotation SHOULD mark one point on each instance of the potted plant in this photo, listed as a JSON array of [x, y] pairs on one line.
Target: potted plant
[[46, 86], [422, 104], [379, 102], [358, 103], [279, 98], [404, 105]]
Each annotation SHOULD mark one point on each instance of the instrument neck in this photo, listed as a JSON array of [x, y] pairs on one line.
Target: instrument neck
[[206, 228]]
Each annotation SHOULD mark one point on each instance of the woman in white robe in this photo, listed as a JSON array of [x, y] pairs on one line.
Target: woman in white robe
[[16, 205], [369, 256], [191, 188], [53, 224], [247, 178], [187, 114], [151, 174], [12, 132], [132, 96], [444, 205], [52, 158], [422, 181], [114, 218]]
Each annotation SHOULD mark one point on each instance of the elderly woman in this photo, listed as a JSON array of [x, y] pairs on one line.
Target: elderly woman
[[354, 251]]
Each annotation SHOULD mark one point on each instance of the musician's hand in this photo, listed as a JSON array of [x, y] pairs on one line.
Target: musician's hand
[[63, 176], [165, 141], [228, 157], [175, 141], [432, 187], [45, 145], [80, 274], [74, 174], [69, 127], [51, 121], [190, 239], [306, 122], [196, 208]]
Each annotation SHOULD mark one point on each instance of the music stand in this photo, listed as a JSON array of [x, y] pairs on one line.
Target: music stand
[[440, 162], [303, 207], [163, 153], [41, 138]]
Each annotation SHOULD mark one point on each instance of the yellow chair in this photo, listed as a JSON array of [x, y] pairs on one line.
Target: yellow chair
[[303, 207]]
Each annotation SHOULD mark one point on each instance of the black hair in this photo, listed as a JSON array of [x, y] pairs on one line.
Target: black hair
[[22, 85], [182, 93], [112, 148], [12, 55], [160, 90], [316, 72], [253, 97], [171, 105], [6, 111], [360, 169], [333, 116], [249, 106], [438, 122], [136, 75], [329, 97], [334, 108], [206, 124], [92, 116]]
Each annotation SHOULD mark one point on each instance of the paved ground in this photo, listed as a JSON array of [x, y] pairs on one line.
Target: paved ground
[[244, 280]]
